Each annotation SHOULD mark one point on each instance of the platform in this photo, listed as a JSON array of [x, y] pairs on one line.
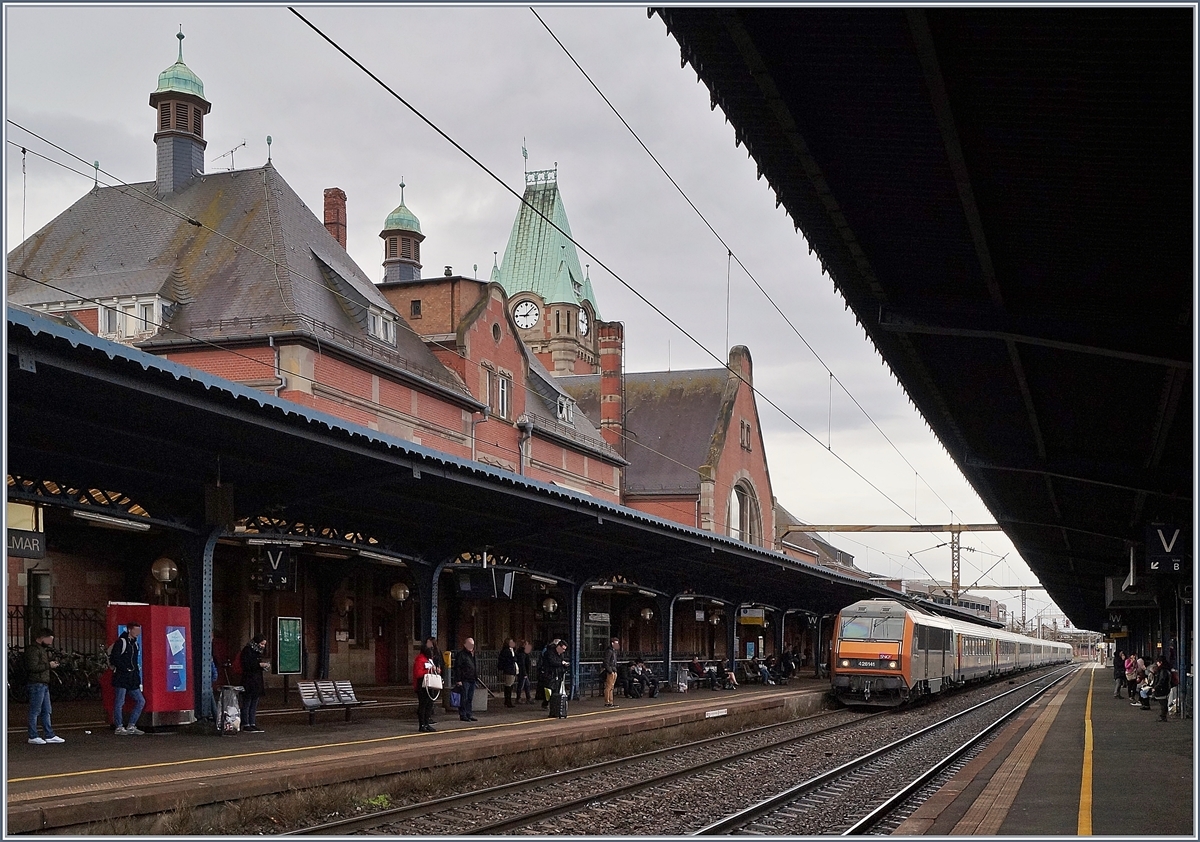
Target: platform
[[1077, 763], [99, 775], [1028, 782]]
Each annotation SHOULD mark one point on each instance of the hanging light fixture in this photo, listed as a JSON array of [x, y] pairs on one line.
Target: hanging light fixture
[[164, 570], [399, 592], [549, 605], [647, 614]]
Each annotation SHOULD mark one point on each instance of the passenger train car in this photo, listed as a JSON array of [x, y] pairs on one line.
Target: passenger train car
[[885, 653]]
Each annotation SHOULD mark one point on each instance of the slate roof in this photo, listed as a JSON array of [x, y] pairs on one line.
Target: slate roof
[[259, 262], [542, 407], [827, 553], [538, 258], [671, 418]]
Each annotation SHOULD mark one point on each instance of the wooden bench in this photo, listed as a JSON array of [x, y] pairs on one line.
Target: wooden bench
[[317, 695]]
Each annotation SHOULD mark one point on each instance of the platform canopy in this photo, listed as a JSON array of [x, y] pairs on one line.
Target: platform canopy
[[93, 414], [1004, 197]]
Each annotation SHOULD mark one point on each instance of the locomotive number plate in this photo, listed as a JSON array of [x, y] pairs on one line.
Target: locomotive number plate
[[867, 664]]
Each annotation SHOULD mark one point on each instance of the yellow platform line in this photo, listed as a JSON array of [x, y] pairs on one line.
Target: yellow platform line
[[293, 750], [990, 808], [1085, 785]]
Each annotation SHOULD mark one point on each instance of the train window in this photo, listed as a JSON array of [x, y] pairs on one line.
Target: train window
[[872, 628], [933, 638]]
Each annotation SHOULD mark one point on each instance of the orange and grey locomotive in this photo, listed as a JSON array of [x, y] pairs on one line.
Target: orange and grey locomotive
[[885, 653]]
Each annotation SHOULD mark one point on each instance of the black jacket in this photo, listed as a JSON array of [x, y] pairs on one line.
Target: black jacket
[[464, 667], [37, 663], [552, 669], [507, 662], [252, 672], [126, 671], [524, 663]]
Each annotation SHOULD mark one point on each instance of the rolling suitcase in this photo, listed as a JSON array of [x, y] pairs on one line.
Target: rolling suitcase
[[558, 701]]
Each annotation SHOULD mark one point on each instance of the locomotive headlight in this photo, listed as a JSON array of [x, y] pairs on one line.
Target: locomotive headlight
[[893, 665], [845, 663]]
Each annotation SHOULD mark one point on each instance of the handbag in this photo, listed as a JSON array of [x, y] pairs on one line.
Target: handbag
[[431, 681]]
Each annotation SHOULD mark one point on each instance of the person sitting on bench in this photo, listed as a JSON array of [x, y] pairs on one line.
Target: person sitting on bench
[[702, 674]]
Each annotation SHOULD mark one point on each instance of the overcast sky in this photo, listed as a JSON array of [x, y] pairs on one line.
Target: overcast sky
[[494, 79]]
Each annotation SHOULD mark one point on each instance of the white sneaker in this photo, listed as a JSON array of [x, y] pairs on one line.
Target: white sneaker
[[55, 739], [37, 741], [121, 732], [134, 731]]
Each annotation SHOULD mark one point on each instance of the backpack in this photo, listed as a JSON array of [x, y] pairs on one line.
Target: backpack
[[114, 652]]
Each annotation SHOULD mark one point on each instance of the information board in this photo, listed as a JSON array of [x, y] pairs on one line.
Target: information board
[[288, 646]]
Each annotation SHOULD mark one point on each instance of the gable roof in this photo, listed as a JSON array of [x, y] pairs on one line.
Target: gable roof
[[538, 258], [671, 419], [239, 252]]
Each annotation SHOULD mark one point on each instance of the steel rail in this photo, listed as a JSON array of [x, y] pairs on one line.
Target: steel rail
[[372, 820], [769, 805], [887, 807]]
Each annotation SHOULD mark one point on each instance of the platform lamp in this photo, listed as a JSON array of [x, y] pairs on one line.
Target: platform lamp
[[549, 605], [399, 592], [165, 571], [647, 614]]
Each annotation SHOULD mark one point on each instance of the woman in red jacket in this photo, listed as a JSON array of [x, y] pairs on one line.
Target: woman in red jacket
[[423, 665]]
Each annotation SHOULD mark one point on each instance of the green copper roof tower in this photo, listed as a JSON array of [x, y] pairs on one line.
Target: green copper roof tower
[[181, 107], [539, 258]]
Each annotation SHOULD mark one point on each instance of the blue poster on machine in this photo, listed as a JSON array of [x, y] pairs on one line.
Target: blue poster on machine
[[176, 658]]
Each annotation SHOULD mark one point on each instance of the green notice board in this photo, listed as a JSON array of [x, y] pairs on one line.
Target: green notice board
[[288, 644]]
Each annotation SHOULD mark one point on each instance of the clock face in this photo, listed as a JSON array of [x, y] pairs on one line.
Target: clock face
[[525, 314], [584, 322]]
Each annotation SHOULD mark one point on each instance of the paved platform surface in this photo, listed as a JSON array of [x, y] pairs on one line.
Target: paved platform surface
[[1036, 779], [98, 775], [1079, 762]]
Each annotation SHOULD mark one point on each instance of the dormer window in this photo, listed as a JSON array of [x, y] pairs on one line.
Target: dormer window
[[382, 326], [133, 318], [566, 410]]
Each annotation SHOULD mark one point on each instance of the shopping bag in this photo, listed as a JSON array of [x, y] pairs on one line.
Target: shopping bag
[[455, 698]]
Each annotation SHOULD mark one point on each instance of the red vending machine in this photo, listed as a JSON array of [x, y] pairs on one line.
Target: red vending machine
[[166, 654]]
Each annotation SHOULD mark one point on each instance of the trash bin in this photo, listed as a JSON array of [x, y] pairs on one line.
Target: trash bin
[[229, 710]]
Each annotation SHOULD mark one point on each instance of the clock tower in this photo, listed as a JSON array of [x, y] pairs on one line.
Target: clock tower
[[550, 295]]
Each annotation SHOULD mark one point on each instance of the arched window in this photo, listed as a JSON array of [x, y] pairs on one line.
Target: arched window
[[743, 519]]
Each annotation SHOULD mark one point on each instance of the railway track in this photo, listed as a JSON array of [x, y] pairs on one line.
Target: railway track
[[862, 794], [475, 812], [682, 789]]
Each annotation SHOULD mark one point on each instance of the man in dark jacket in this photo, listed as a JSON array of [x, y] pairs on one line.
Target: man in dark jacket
[[509, 667], [38, 664], [553, 669], [127, 679], [465, 673], [1118, 672]]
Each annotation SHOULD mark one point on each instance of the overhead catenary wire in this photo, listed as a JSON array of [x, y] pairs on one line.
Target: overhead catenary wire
[[637, 293], [733, 256]]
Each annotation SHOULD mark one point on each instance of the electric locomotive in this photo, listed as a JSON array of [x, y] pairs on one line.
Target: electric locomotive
[[885, 653]]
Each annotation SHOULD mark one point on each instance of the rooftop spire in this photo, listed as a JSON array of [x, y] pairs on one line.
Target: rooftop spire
[[180, 37]]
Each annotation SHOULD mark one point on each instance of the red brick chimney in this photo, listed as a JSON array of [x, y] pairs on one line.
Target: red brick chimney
[[335, 213], [612, 383]]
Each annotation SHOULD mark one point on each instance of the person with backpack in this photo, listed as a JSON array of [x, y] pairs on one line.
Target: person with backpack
[[38, 664], [124, 655]]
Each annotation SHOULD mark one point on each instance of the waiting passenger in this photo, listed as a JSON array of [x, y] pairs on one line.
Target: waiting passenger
[[1118, 673]]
